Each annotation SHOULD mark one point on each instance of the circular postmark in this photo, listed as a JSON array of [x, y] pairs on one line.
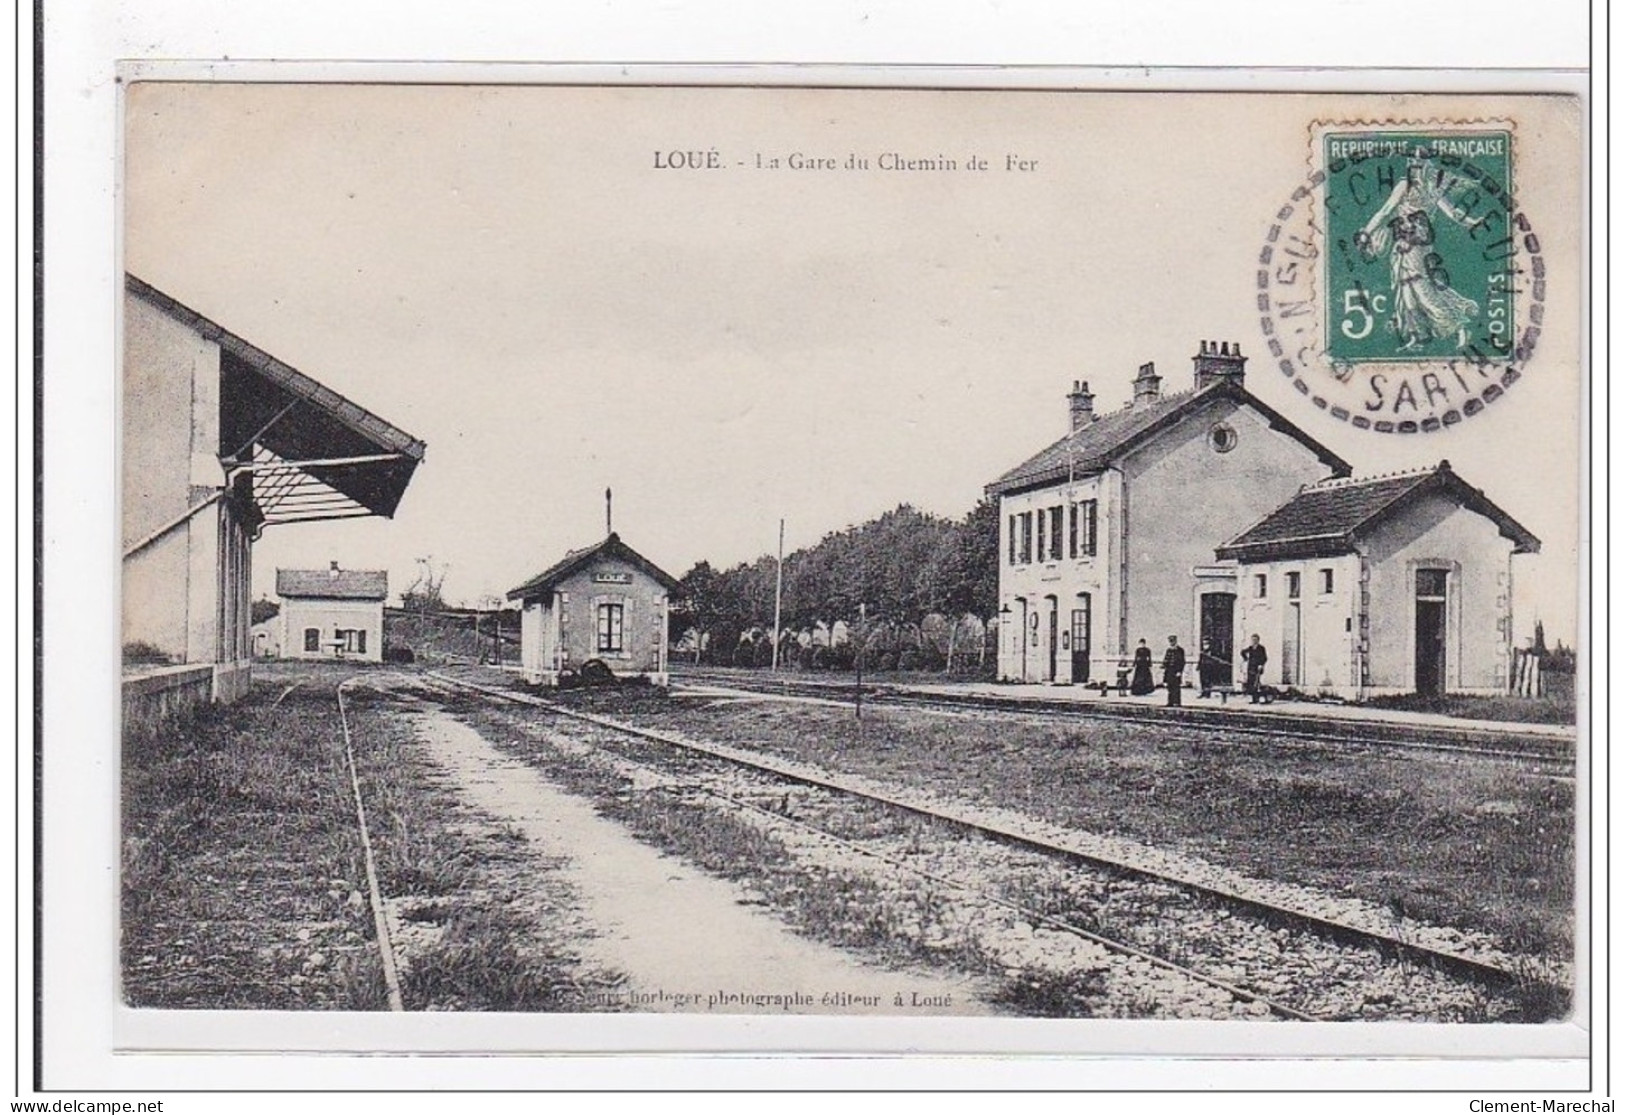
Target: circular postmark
[[1400, 287]]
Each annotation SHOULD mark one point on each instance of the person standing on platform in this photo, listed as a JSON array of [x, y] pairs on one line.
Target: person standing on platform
[[1142, 683], [1173, 669], [1208, 667], [1254, 655]]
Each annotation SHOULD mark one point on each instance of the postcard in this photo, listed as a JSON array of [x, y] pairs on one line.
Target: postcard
[[611, 559]]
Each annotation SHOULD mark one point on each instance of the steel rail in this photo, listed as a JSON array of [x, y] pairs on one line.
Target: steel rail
[[386, 951], [1033, 706], [1398, 948]]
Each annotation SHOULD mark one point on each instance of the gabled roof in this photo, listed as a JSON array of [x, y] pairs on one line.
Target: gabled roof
[[314, 453], [1328, 518], [333, 584], [612, 547], [1097, 444]]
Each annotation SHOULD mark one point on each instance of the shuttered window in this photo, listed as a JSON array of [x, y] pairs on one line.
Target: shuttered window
[[611, 624]]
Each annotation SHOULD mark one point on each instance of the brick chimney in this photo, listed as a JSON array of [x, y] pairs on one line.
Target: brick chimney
[[1081, 404], [332, 569], [1219, 360], [1147, 385]]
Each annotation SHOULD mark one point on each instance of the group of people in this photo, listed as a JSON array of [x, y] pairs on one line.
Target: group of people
[[1208, 667]]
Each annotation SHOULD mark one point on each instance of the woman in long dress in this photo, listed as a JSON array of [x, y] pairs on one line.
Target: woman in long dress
[[1142, 683], [1426, 307]]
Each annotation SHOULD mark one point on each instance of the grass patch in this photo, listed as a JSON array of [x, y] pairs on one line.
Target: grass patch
[[481, 963], [1553, 709], [238, 862]]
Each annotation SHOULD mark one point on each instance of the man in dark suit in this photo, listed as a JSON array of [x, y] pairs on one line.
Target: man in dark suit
[[1254, 655], [1173, 668]]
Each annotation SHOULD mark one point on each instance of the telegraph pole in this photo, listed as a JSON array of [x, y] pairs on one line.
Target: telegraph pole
[[778, 596]]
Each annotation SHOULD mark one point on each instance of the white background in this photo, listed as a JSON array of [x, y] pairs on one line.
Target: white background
[[83, 42]]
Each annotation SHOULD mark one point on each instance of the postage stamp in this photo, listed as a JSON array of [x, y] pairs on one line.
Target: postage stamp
[[1402, 286]]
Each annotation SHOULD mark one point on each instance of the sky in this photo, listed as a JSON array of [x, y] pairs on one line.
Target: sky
[[515, 275]]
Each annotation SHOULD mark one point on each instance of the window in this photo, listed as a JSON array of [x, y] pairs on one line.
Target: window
[[1294, 585], [1043, 521], [1072, 532], [1222, 437], [1086, 532], [313, 640], [1325, 581], [1431, 583], [1014, 526], [611, 619], [1055, 532], [353, 640], [1261, 585], [1026, 537]]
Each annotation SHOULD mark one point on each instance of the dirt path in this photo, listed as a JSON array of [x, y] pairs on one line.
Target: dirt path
[[681, 937]]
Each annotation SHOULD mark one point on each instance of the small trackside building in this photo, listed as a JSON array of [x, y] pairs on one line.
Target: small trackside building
[[605, 602], [1387, 585], [332, 613]]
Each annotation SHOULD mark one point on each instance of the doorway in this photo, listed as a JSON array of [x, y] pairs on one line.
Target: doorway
[[1080, 639], [1218, 635], [1054, 638], [1292, 645], [1430, 631]]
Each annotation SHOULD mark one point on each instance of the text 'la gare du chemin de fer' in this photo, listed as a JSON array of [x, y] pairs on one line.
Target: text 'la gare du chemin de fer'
[[712, 158]]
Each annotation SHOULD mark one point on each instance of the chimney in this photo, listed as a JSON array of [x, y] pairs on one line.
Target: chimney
[[1147, 385], [1082, 404], [332, 569], [1219, 360]]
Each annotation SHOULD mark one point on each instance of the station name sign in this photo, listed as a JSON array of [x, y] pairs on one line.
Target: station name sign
[[612, 578]]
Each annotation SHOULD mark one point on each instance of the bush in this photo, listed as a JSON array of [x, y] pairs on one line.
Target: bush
[[399, 655], [144, 654], [764, 654], [910, 659], [816, 658], [745, 654], [595, 671], [886, 663], [841, 657]]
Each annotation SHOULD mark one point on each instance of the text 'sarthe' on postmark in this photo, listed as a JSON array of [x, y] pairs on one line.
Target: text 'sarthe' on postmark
[[1401, 288]]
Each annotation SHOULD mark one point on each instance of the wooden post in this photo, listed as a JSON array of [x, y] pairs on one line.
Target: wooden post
[[778, 596]]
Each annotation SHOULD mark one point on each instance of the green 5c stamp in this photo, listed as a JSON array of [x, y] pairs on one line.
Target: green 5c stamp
[[1417, 224], [1400, 287]]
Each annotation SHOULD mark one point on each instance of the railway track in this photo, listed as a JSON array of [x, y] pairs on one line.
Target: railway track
[[1549, 756], [1336, 941]]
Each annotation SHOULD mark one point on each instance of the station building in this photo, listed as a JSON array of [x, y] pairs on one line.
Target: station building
[[332, 613], [1392, 584], [605, 602], [221, 440], [1135, 526], [1108, 535]]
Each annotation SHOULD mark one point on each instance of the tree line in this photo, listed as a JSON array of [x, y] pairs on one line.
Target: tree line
[[900, 586]]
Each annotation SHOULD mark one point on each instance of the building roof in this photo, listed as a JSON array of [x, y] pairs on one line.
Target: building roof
[[313, 453], [1328, 518], [611, 547], [1098, 443], [333, 584]]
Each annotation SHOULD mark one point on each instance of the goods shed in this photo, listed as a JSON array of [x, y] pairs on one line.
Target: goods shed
[[220, 441]]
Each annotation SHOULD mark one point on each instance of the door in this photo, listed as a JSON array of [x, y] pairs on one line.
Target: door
[[1054, 639], [1219, 636], [1430, 631], [1080, 639], [1291, 641], [1021, 639]]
